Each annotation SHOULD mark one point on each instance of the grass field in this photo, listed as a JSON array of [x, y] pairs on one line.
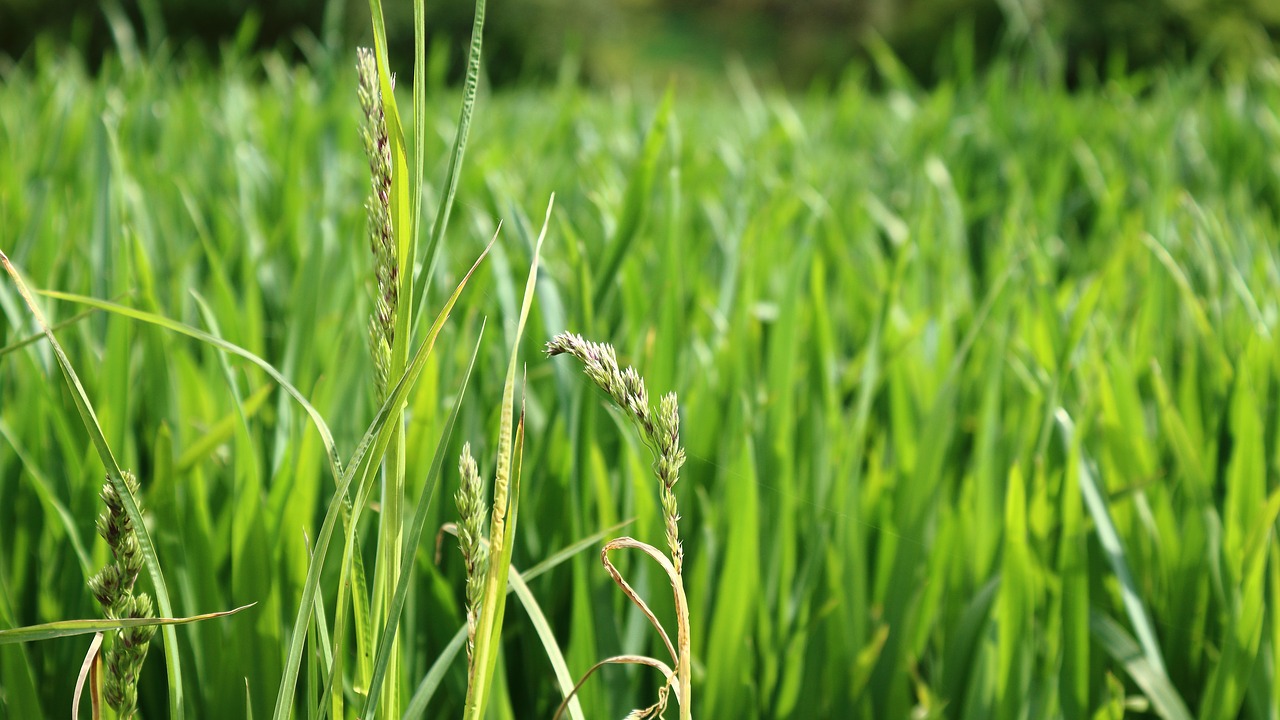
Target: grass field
[[979, 385]]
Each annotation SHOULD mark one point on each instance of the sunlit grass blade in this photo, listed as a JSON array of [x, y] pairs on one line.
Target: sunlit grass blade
[[1151, 667]]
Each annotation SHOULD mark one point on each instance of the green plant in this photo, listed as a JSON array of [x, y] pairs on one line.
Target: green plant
[[131, 546], [113, 588], [873, 305], [661, 432], [473, 542], [490, 593]]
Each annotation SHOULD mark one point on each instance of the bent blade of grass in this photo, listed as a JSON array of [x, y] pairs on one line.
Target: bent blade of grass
[[411, 542], [322, 427], [86, 669], [630, 592], [488, 633], [18, 345], [70, 628], [374, 440], [662, 667], [114, 475]]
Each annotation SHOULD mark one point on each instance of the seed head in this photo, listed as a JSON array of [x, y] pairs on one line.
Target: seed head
[[471, 513], [661, 433], [382, 243]]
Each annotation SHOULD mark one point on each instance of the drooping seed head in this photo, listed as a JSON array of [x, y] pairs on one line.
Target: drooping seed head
[[662, 433]]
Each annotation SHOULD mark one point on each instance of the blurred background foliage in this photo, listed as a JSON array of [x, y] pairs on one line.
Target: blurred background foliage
[[797, 42]]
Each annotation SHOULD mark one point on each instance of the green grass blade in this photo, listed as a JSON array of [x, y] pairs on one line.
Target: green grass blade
[[114, 475], [636, 202], [469, 87], [1154, 682], [1109, 538], [374, 441], [71, 628], [548, 639], [322, 427], [411, 541], [488, 632], [431, 681]]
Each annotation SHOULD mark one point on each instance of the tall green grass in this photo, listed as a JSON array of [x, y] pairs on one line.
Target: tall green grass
[[978, 384]]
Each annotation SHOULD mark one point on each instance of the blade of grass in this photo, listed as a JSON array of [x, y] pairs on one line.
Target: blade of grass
[[469, 86], [549, 644], [411, 541], [1154, 682], [375, 439], [1109, 538], [71, 628], [431, 681], [636, 202], [115, 477], [322, 427], [489, 630]]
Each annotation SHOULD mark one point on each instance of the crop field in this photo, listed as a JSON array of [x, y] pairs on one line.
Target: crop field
[[978, 392]]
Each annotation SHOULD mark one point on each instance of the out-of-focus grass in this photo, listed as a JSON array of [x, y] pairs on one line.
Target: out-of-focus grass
[[979, 384]]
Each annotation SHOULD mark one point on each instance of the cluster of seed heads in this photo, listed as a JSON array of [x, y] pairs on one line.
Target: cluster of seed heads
[[113, 588], [661, 431], [377, 146], [471, 512]]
